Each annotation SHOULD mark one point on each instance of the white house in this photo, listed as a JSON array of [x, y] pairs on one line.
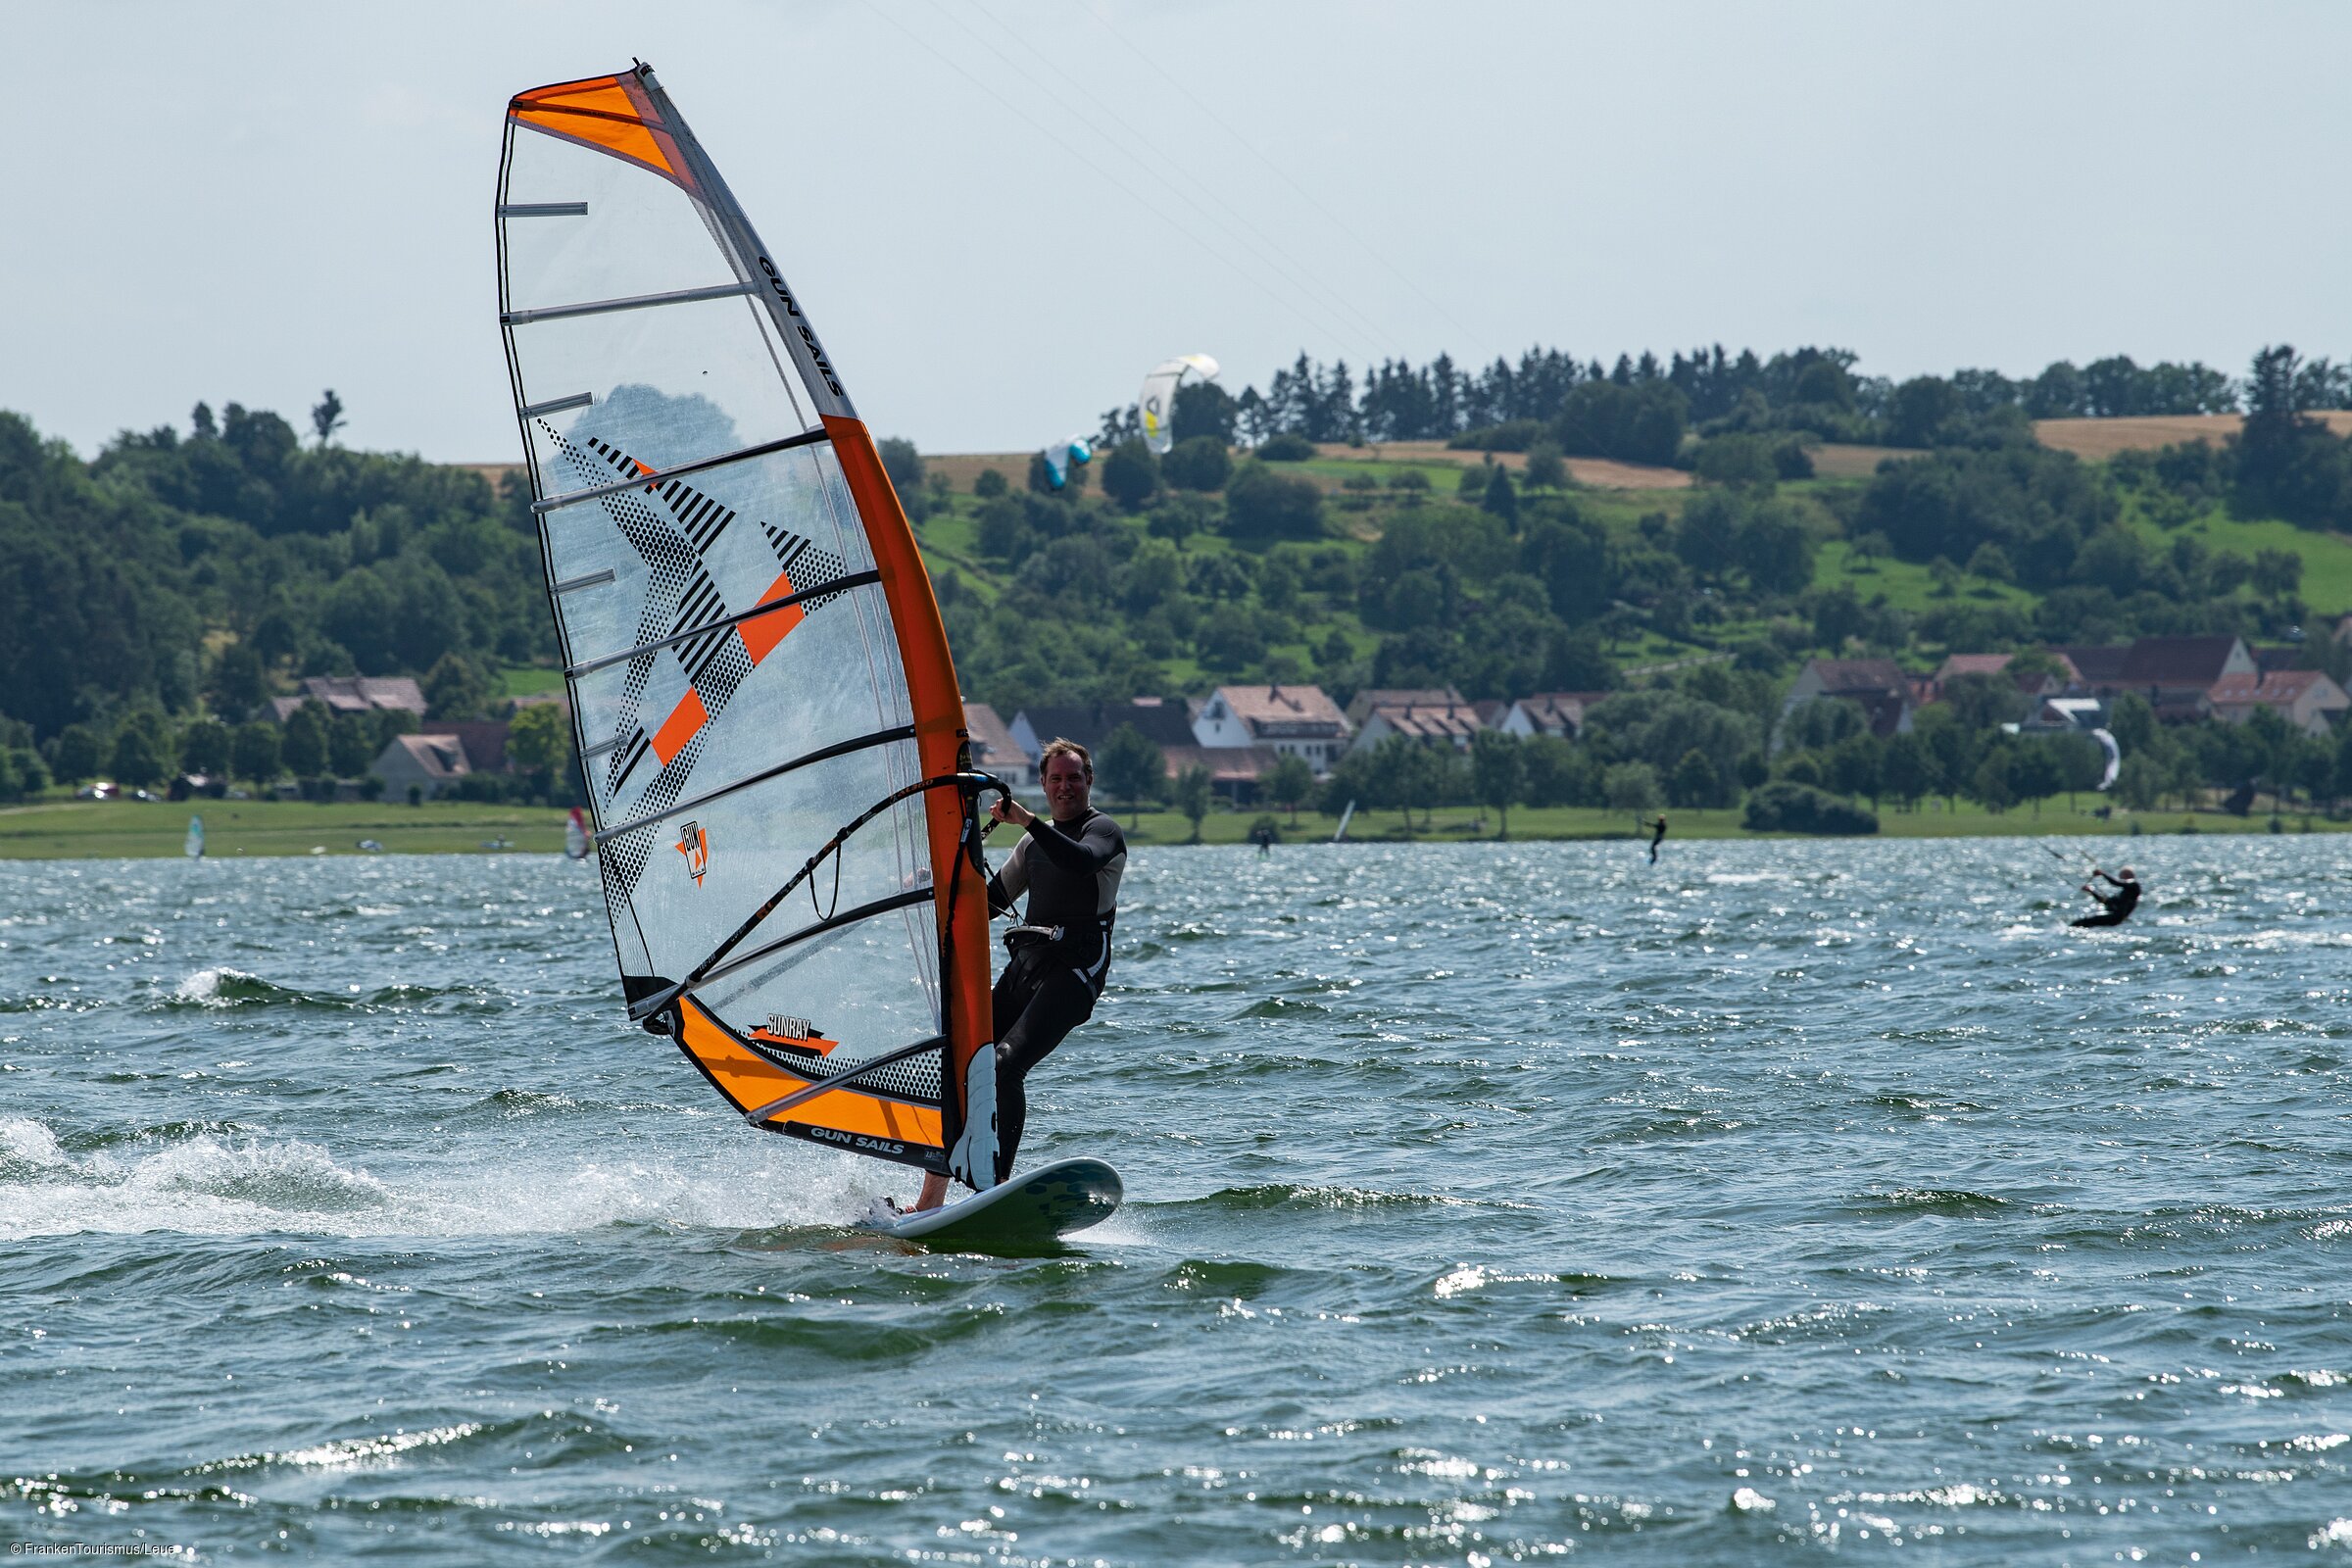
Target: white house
[[1560, 714], [1292, 721], [994, 750]]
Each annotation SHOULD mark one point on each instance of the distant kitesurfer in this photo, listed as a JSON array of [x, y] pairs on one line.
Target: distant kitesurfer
[[1070, 868], [1657, 839], [1264, 837], [2114, 908]]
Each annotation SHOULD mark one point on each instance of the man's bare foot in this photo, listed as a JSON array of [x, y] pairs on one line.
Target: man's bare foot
[[935, 1193]]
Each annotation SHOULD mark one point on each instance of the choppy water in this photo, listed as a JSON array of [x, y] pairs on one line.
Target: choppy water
[[1487, 1205]]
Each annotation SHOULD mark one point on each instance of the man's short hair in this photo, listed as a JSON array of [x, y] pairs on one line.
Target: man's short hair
[[1061, 746]]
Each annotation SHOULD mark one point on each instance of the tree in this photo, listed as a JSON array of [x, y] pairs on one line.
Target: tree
[[326, 417], [1192, 787], [135, 761], [1556, 773], [1694, 781], [539, 739], [1906, 771], [80, 752], [1261, 504], [454, 687], [1202, 463], [990, 483], [1497, 773], [1499, 498], [903, 464], [1630, 787], [350, 745], [240, 682], [304, 747], [1131, 475], [204, 748], [1289, 784], [1132, 767], [1546, 469]]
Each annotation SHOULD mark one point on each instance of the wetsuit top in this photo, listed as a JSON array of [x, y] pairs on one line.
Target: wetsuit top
[[2123, 900], [1071, 875]]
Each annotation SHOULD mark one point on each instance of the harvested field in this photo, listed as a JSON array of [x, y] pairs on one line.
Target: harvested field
[[2100, 439]]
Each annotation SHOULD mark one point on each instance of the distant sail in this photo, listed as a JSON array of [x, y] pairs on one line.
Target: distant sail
[[764, 705], [2114, 757], [193, 849], [1061, 458], [1157, 401], [575, 836]]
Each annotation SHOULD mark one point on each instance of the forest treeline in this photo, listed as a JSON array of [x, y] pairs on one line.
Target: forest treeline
[[1640, 407], [184, 575]]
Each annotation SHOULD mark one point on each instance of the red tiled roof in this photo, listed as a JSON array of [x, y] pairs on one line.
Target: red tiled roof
[[1287, 710], [2176, 660]]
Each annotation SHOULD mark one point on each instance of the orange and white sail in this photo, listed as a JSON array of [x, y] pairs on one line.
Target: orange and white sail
[[785, 816]]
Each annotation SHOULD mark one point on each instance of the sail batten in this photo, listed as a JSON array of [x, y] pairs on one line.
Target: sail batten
[[761, 660]]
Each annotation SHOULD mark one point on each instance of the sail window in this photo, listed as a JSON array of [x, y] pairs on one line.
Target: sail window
[[594, 580], [578, 400], [632, 301], [543, 210], [653, 477]]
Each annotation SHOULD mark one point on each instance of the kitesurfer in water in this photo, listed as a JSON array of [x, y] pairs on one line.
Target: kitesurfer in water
[[1069, 866], [1658, 839], [2114, 908]]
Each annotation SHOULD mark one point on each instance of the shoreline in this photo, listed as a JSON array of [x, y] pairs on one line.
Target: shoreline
[[96, 830]]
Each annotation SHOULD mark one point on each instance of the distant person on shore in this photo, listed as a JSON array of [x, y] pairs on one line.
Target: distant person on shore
[[1658, 838], [2114, 908], [1069, 866]]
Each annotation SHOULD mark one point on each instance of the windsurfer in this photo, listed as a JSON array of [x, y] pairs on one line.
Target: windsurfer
[[1069, 868], [2114, 908]]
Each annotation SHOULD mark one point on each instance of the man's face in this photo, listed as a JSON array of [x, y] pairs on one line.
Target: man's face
[[1066, 786]]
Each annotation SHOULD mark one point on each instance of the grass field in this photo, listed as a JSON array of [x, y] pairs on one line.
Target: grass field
[[105, 829], [2326, 557], [233, 829]]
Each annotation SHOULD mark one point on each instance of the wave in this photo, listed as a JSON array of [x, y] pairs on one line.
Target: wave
[[1906, 1200], [235, 988], [234, 1181], [1286, 1195]]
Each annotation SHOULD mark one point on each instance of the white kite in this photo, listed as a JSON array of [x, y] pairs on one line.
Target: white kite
[[1157, 400]]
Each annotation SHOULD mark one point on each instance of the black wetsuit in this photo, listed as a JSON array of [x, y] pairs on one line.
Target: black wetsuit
[[2113, 909], [1049, 987], [1660, 839]]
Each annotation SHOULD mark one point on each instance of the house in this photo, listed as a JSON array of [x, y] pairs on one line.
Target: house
[[1294, 720], [2033, 683], [1234, 772], [1433, 723], [1560, 714], [2173, 673], [1163, 724], [429, 763], [1359, 707], [353, 694], [994, 750], [1885, 694], [2305, 698], [484, 741]]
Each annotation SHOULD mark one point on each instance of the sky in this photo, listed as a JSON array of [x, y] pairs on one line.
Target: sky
[[1001, 213]]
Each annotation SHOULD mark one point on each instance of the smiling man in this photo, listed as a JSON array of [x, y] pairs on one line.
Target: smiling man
[[1060, 951]]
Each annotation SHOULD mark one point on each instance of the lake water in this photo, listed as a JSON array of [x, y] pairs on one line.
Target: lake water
[[1488, 1203]]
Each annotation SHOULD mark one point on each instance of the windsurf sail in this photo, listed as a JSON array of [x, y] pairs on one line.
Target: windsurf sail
[[575, 836], [1157, 401], [193, 847], [782, 797]]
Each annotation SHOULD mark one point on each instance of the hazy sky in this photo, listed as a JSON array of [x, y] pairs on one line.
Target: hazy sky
[[1000, 212]]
